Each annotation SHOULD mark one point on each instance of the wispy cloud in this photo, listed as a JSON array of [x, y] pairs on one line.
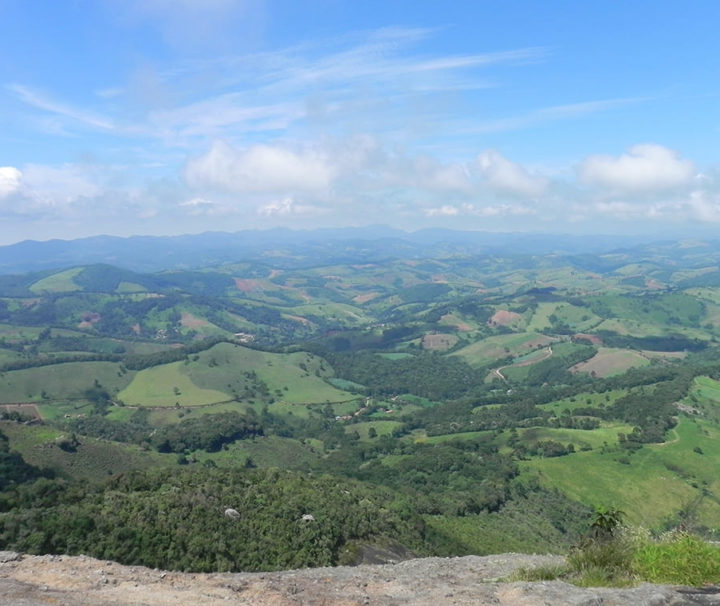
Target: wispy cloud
[[45, 103], [550, 114]]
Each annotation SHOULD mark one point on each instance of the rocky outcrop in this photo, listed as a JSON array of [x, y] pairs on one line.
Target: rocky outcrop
[[467, 581]]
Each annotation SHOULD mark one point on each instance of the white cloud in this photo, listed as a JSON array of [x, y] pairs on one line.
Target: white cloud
[[10, 180], [287, 206], [504, 176], [497, 210], [58, 185], [644, 168], [260, 168], [443, 211]]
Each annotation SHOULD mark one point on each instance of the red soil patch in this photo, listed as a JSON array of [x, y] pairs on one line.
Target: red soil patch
[[503, 317], [594, 339], [607, 363], [190, 321], [300, 319], [439, 342], [28, 409], [246, 285], [366, 297], [450, 321], [88, 319]]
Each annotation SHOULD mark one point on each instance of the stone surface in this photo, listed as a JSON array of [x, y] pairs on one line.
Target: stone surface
[[467, 581]]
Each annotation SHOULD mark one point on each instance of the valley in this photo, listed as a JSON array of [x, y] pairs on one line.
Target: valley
[[449, 400]]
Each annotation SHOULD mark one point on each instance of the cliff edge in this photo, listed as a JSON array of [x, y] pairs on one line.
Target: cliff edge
[[465, 581]]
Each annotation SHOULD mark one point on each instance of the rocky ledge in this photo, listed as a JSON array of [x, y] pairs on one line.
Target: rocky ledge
[[466, 581]]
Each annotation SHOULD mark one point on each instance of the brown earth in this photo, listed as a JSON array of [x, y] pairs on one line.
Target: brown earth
[[504, 317], [364, 298], [188, 320], [439, 342], [467, 581], [247, 285]]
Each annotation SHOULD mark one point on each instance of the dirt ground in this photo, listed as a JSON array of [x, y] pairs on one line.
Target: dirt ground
[[467, 581]]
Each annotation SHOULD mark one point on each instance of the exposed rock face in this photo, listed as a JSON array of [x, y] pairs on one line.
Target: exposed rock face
[[468, 581]]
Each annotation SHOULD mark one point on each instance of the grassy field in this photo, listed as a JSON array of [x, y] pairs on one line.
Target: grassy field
[[651, 485], [167, 385], [61, 381], [381, 428], [607, 433], [270, 451], [501, 346], [59, 282], [584, 399], [229, 371], [298, 378]]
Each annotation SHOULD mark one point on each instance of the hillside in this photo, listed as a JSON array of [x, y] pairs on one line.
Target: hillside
[[469, 403]]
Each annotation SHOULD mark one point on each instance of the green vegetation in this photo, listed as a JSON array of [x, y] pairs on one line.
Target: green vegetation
[[468, 404], [613, 555]]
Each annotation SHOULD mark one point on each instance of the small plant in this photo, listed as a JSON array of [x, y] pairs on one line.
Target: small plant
[[605, 522], [541, 573], [604, 556]]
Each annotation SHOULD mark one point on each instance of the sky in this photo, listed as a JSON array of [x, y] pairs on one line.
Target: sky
[[165, 117]]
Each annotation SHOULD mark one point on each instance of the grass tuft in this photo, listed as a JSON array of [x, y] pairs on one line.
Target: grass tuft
[[682, 559]]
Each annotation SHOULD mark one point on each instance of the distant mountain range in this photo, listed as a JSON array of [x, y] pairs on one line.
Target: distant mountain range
[[291, 248]]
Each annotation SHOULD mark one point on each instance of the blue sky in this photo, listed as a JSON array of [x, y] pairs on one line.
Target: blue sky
[[176, 116]]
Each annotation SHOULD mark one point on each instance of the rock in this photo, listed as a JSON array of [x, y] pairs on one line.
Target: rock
[[232, 513], [466, 581], [9, 556]]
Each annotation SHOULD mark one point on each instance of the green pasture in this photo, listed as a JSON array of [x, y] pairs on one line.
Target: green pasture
[[167, 385], [349, 315], [540, 320], [396, 355], [708, 294], [168, 415], [226, 372], [498, 347], [584, 399], [607, 433], [344, 384], [283, 373], [652, 484], [59, 282], [704, 394], [130, 287], [706, 388], [61, 381], [19, 333], [417, 400], [382, 428], [57, 411], [267, 451], [662, 314]]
